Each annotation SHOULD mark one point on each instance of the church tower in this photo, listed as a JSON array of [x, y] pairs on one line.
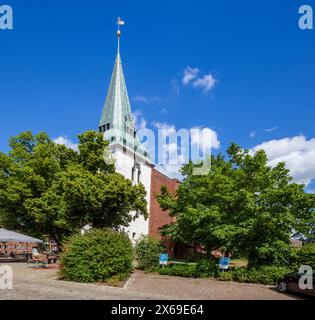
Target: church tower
[[117, 125]]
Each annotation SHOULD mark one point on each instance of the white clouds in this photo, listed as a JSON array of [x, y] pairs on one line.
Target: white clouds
[[191, 77], [140, 121], [252, 134], [204, 138], [298, 153], [189, 74], [175, 86], [67, 142], [168, 129], [146, 99], [206, 83], [271, 129]]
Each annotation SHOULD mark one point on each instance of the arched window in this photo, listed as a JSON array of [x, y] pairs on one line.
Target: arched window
[[133, 173]]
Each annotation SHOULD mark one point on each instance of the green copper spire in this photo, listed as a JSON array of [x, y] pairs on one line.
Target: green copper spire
[[117, 108], [116, 121]]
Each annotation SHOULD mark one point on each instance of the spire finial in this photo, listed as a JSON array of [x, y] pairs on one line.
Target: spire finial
[[119, 23]]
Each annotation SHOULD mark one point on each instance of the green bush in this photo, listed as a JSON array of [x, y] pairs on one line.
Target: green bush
[[194, 257], [265, 274], [225, 276], [270, 274], [306, 255], [147, 253], [203, 269], [179, 270], [98, 255], [206, 268]]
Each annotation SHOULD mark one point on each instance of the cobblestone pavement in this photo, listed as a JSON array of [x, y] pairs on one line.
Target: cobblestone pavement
[[30, 284]]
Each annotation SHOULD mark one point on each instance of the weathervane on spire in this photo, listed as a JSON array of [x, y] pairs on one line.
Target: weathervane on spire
[[119, 23]]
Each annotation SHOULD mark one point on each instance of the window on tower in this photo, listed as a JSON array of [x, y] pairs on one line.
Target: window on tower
[[133, 173], [102, 128], [139, 175]]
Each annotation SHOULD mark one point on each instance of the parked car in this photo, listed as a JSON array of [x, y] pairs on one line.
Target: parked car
[[290, 283]]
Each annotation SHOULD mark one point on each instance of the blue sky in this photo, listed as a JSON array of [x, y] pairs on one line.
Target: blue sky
[[57, 62]]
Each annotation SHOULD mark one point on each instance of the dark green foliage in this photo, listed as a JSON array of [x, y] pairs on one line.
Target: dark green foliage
[[98, 255], [195, 257], [241, 205], [202, 269], [147, 252], [225, 276], [277, 253], [206, 268], [179, 270], [306, 255], [264, 275]]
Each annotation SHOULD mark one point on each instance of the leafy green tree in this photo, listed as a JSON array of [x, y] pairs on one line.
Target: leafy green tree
[[306, 255], [46, 188], [241, 205]]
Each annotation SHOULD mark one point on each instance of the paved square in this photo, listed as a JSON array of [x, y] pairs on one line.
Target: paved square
[[32, 284]]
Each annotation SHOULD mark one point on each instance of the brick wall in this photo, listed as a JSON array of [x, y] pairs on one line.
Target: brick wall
[[159, 218]]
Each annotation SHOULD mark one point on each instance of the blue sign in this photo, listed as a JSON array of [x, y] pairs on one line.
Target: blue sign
[[163, 258], [224, 262]]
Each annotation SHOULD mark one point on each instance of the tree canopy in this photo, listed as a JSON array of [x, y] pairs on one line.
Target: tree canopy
[[241, 205], [46, 188]]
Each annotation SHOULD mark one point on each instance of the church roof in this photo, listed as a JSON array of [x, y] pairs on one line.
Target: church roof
[[117, 107], [117, 121]]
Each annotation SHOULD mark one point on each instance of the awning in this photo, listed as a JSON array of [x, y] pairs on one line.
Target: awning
[[11, 236]]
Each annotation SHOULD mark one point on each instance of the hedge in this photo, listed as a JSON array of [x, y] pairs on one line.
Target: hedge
[[265, 274], [179, 270], [148, 252], [203, 269]]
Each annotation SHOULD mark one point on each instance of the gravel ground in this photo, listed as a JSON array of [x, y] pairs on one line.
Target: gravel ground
[[32, 284]]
